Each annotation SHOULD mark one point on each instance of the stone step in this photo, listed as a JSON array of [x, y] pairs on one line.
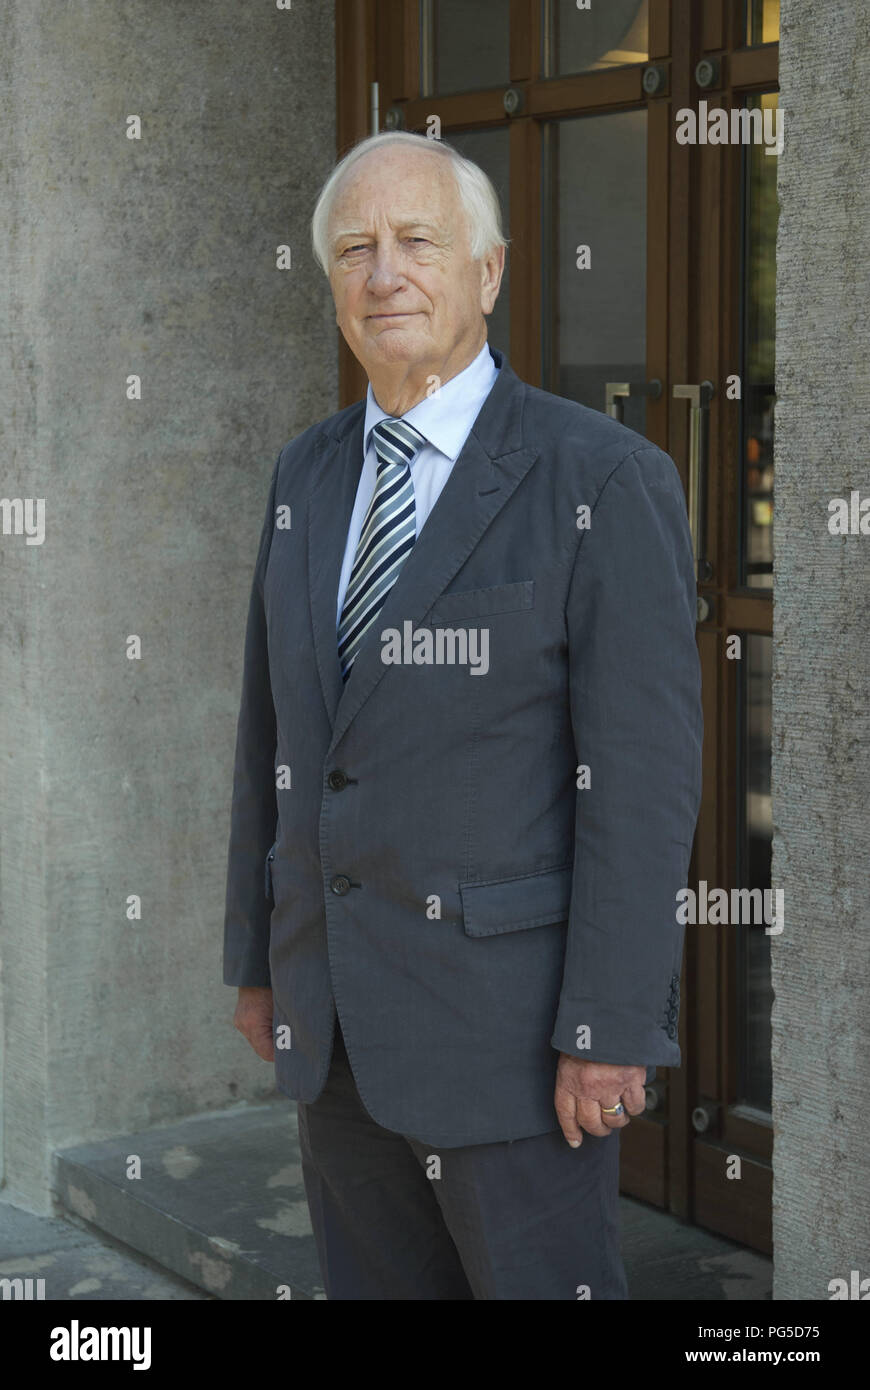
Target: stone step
[[221, 1203], [53, 1258], [220, 1200]]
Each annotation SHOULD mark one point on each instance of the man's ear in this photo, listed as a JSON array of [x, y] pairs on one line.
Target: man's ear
[[492, 268]]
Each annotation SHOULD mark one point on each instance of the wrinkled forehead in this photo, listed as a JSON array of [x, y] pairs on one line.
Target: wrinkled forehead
[[407, 185]]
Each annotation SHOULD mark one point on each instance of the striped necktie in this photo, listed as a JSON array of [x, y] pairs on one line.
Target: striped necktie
[[386, 539]]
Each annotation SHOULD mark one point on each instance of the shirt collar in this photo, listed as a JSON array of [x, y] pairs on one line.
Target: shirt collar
[[445, 418]]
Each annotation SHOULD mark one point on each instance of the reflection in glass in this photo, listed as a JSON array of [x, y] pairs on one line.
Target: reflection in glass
[[606, 36], [597, 190], [490, 149], [762, 21], [754, 990], [759, 342], [471, 48]]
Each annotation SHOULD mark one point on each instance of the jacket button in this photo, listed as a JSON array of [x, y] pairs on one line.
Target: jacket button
[[672, 1015], [672, 1030], [340, 885], [337, 780]]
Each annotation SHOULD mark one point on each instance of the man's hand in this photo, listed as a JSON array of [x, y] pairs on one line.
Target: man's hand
[[583, 1087], [253, 1018]]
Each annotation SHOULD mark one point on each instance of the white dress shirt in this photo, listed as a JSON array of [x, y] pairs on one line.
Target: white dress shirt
[[444, 419]]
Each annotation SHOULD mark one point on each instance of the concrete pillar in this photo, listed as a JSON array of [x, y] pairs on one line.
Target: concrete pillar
[[821, 682], [155, 258]]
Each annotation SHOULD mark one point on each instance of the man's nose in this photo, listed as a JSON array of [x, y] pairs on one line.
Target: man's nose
[[386, 269]]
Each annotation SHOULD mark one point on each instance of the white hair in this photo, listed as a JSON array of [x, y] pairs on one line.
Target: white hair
[[476, 193]]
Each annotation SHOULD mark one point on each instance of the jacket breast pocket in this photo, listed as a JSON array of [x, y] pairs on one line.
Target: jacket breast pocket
[[482, 603], [513, 904]]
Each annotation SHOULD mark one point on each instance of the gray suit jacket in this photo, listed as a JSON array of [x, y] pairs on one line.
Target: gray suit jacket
[[414, 849]]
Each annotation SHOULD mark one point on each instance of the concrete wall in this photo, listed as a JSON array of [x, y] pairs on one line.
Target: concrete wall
[[154, 257], [821, 682]]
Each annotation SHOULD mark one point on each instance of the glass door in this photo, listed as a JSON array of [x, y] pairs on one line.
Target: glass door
[[640, 281]]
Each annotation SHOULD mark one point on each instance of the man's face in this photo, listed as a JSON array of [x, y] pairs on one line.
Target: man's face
[[405, 286]]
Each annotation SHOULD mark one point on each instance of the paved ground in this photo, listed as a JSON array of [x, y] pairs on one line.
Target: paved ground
[[78, 1264], [665, 1259]]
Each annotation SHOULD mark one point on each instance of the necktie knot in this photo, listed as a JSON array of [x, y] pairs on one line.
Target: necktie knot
[[396, 442]]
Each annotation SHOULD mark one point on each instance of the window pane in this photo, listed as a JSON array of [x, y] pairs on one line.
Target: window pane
[[471, 46], [605, 36], [597, 176], [754, 991], [491, 150], [762, 21], [759, 343]]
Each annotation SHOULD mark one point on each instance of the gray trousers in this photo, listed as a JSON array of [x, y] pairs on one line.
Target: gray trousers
[[394, 1219]]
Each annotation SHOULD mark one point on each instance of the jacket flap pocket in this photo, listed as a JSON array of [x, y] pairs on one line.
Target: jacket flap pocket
[[510, 904], [483, 603]]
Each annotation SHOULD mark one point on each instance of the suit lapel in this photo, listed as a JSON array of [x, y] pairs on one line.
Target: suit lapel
[[489, 468]]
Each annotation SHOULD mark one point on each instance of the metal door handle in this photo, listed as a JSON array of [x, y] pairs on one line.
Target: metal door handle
[[615, 393], [706, 1116], [699, 397]]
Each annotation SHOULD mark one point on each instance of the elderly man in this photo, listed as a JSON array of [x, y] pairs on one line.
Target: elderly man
[[467, 774]]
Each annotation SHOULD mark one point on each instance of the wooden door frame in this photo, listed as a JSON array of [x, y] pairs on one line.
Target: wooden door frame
[[735, 608]]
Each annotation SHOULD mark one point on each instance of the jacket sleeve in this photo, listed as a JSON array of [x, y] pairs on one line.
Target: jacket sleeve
[[254, 807], [635, 695]]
